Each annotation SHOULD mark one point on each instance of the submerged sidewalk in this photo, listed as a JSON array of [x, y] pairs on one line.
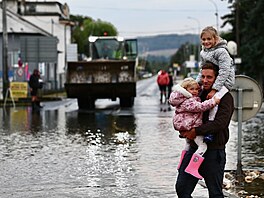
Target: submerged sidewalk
[[201, 191], [27, 101]]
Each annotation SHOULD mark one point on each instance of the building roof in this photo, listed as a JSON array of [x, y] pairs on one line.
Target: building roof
[[18, 15], [17, 24]]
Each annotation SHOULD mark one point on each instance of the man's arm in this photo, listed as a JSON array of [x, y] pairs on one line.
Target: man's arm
[[221, 121], [222, 118]]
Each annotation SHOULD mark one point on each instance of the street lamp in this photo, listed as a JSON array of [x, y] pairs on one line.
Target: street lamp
[[216, 14], [198, 25]]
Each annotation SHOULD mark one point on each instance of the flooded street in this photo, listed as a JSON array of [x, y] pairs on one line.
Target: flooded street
[[110, 152]]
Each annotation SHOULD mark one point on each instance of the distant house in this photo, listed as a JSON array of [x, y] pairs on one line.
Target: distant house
[[38, 35]]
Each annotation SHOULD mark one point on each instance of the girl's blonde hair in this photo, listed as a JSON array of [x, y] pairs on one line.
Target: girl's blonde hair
[[188, 82], [211, 30]]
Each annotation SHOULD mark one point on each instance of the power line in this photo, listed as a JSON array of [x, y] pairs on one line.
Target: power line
[[145, 9]]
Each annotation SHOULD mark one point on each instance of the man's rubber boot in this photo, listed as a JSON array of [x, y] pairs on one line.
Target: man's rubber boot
[[182, 156], [194, 166]]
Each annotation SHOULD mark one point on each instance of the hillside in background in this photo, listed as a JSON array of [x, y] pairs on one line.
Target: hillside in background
[[164, 45]]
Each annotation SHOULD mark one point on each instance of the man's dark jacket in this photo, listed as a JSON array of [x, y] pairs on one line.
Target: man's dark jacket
[[218, 127]]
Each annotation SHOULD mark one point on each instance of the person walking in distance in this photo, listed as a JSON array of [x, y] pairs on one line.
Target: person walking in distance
[[170, 84], [188, 114], [35, 83], [163, 81], [212, 168]]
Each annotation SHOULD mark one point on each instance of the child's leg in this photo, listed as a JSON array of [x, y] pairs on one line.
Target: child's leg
[[187, 145], [219, 95], [221, 92], [186, 148], [197, 158], [202, 147]]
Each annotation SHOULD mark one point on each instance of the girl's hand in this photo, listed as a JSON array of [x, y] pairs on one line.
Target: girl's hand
[[211, 94]]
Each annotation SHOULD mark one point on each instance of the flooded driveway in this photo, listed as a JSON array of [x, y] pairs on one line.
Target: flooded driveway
[[110, 152]]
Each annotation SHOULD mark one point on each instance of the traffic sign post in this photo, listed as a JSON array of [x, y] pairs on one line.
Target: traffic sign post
[[247, 96], [20, 71]]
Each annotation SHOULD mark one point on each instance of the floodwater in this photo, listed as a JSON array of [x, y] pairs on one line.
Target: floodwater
[[110, 152]]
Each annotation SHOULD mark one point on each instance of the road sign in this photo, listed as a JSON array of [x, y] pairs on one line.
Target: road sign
[[247, 96], [251, 97], [20, 71], [19, 89]]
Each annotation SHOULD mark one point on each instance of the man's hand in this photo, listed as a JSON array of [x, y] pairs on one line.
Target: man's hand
[[191, 134], [211, 94]]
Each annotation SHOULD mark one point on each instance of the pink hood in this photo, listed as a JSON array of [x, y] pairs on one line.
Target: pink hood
[[179, 95]]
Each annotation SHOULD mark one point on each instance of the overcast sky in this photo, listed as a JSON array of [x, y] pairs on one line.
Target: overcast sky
[[152, 17]]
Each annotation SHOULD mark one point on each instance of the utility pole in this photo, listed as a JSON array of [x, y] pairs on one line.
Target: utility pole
[[5, 51], [216, 14], [199, 29]]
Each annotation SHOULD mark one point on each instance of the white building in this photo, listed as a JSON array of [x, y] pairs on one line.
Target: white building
[[38, 32]]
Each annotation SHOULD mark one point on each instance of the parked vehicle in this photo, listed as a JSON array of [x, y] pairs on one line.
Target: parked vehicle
[[109, 72]]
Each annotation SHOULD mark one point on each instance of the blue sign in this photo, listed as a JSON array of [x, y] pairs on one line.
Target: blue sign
[[10, 73]]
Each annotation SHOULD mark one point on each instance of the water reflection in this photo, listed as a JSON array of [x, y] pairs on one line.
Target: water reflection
[[23, 120], [35, 123], [94, 127], [101, 127], [80, 154], [20, 120]]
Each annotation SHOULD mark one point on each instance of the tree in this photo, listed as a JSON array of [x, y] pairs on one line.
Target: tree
[[251, 28], [252, 41], [183, 54], [85, 27]]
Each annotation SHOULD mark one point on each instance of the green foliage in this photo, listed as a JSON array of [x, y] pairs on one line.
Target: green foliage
[[180, 56], [251, 28], [183, 54], [99, 28], [252, 40], [85, 27]]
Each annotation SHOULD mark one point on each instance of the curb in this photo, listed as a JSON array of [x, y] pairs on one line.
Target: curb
[[27, 101], [226, 194]]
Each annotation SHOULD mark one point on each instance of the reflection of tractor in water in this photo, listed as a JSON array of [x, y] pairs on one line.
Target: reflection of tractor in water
[[110, 72]]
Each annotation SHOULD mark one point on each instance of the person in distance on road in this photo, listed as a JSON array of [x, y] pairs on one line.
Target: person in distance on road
[[170, 84], [163, 81]]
